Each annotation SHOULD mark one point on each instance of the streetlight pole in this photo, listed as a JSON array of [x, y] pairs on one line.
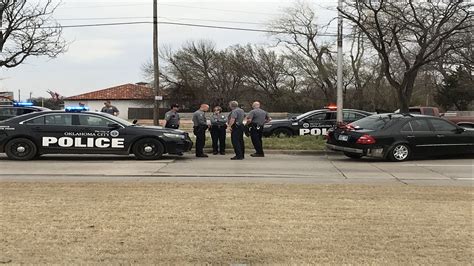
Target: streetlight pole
[[156, 68], [339, 117]]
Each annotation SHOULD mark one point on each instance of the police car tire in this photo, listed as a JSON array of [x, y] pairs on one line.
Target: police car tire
[[139, 149], [30, 149], [353, 155], [282, 131]]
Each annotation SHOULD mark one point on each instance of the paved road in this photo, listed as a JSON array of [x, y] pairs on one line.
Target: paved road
[[275, 168]]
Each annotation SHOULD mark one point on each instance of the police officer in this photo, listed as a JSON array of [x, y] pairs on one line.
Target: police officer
[[200, 126], [236, 118], [255, 121], [109, 108], [218, 131], [172, 117]]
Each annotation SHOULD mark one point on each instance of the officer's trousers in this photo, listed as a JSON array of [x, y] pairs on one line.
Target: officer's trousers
[[218, 134], [200, 133], [256, 135], [237, 137]]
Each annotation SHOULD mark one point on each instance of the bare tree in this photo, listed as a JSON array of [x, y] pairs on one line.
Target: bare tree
[[408, 35], [28, 29], [267, 72], [297, 30]]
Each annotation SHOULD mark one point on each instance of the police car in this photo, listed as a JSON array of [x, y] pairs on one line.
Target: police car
[[316, 122], [18, 108], [77, 131]]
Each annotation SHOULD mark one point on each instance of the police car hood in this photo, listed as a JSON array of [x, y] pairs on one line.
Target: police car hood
[[162, 129]]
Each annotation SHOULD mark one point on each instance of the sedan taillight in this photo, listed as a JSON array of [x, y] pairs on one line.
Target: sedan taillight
[[366, 139]]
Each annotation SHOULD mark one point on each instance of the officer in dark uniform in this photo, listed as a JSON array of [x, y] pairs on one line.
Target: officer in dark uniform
[[236, 118], [200, 126], [109, 108], [172, 117], [255, 121], [218, 131]]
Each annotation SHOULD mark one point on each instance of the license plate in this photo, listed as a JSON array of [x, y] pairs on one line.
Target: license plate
[[343, 138]]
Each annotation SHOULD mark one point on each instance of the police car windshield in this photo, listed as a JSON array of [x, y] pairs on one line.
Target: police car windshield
[[118, 119], [304, 115]]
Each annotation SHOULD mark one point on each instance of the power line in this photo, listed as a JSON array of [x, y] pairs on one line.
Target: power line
[[126, 4], [168, 18], [102, 18], [113, 5], [175, 24], [218, 9]]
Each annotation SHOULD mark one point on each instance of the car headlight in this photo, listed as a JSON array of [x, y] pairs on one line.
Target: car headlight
[[267, 126], [174, 136]]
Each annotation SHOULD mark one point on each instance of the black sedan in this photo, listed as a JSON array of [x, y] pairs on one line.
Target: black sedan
[[316, 122], [76, 132], [399, 137]]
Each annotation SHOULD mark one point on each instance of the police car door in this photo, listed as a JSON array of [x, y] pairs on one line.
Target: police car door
[[49, 131], [315, 124], [101, 134]]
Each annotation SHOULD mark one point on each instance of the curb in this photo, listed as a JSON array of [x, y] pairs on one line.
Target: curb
[[289, 152]]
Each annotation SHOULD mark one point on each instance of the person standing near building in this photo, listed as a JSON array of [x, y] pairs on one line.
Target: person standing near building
[[200, 126], [236, 118], [255, 120], [218, 131], [109, 109], [172, 117]]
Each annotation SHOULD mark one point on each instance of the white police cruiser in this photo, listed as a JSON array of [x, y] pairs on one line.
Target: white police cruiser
[[77, 131]]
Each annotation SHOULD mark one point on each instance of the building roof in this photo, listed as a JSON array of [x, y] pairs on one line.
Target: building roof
[[121, 92]]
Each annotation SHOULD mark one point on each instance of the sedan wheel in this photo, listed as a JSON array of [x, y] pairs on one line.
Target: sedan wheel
[[399, 153], [21, 149], [148, 149]]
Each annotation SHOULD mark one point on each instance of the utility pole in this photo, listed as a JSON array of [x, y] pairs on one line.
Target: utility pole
[[339, 117], [156, 68], [2, 9]]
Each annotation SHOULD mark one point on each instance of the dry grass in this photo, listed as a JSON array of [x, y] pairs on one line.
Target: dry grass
[[178, 223]]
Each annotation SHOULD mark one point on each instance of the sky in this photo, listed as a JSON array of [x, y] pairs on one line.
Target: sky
[[102, 57]]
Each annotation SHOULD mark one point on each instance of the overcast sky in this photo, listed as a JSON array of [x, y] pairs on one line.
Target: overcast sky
[[101, 57]]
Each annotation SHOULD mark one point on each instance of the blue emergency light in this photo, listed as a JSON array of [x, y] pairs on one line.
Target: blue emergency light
[[76, 109], [22, 104]]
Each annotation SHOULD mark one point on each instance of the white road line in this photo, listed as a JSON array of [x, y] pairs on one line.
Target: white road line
[[439, 165]]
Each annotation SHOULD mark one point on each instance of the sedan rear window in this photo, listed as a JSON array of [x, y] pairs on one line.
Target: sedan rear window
[[374, 122]]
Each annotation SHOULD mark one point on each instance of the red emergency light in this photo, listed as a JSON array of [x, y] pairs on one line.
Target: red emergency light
[[331, 107]]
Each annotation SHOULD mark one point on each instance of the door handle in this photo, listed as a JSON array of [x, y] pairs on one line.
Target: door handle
[[411, 137], [440, 136]]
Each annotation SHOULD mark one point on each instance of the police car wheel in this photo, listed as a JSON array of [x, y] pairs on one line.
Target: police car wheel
[[148, 149], [353, 155], [21, 149], [282, 132]]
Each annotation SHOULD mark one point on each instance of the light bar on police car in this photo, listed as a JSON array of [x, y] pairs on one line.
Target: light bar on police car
[[22, 104], [76, 109]]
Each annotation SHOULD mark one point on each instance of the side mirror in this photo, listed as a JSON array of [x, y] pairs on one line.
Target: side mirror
[[459, 130], [114, 125], [135, 122]]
